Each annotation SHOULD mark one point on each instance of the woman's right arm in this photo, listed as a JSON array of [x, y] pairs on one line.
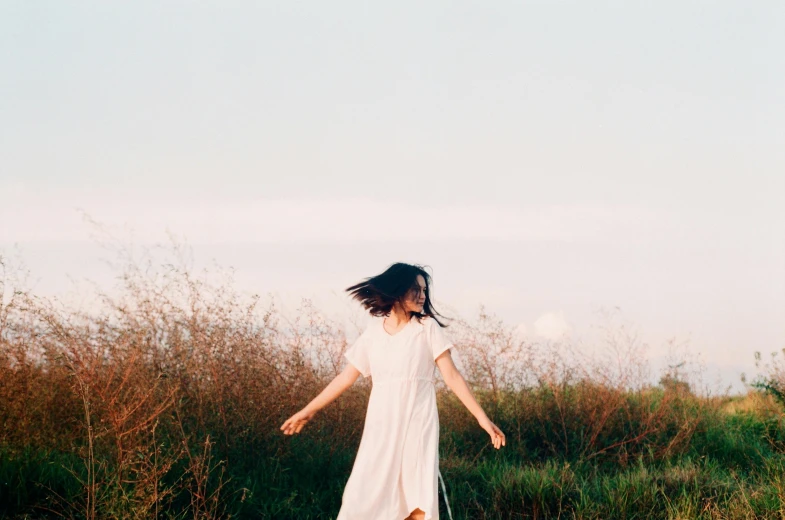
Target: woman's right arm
[[337, 386]]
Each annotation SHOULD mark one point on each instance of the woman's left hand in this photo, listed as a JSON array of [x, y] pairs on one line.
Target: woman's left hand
[[497, 436]]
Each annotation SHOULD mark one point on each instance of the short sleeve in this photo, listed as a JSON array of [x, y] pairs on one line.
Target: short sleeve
[[357, 354], [440, 341]]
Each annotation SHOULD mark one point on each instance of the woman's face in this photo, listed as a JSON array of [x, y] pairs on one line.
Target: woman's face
[[415, 298]]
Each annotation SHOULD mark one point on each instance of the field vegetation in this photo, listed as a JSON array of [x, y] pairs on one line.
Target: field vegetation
[[166, 402]]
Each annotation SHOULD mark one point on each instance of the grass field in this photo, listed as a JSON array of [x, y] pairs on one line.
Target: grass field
[[167, 404]]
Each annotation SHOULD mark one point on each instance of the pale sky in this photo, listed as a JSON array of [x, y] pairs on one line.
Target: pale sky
[[546, 159]]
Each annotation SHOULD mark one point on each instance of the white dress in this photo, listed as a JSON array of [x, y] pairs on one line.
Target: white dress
[[397, 464]]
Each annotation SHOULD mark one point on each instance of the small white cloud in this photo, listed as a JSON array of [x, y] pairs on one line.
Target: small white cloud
[[552, 325]]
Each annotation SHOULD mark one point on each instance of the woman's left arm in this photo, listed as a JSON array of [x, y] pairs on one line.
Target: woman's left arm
[[455, 381]]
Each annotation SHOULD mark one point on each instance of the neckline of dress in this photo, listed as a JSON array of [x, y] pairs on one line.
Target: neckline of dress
[[399, 332]]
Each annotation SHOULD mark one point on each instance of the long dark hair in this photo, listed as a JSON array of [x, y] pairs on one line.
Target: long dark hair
[[379, 293]]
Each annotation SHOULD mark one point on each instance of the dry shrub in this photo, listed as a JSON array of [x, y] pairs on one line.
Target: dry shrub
[[558, 400], [492, 356], [772, 379], [165, 386]]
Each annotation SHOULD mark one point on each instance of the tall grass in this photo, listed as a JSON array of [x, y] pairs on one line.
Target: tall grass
[[166, 402]]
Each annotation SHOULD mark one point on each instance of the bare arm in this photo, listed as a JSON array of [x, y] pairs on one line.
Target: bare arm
[[337, 386], [455, 381]]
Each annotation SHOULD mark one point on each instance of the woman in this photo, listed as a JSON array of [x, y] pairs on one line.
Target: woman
[[394, 476]]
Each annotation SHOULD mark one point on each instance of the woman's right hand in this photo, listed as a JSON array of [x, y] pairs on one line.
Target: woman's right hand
[[296, 422]]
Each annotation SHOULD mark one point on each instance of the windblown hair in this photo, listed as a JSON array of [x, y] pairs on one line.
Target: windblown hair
[[379, 293]]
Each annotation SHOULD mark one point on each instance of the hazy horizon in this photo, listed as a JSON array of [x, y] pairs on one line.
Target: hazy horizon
[[545, 159]]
